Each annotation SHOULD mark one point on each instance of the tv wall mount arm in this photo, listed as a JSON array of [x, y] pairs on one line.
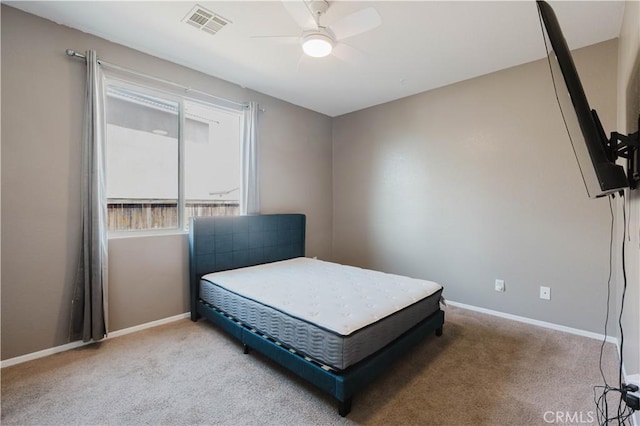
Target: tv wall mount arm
[[627, 146], [624, 146]]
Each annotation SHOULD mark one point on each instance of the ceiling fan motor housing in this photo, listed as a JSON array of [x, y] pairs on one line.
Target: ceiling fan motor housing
[[317, 43]]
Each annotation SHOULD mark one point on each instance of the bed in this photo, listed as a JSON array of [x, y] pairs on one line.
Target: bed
[[336, 326]]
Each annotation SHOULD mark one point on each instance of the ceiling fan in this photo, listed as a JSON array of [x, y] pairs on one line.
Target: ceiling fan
[[319, 41]]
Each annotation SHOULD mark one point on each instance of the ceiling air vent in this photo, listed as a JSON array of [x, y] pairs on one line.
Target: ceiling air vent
[[205, 20]]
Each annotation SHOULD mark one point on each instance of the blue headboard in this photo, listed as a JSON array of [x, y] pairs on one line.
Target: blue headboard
[[230, 242]]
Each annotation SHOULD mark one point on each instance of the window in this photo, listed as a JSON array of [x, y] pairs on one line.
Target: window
[[168, 158]]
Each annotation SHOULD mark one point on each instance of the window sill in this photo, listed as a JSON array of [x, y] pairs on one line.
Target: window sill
[[116, 235]]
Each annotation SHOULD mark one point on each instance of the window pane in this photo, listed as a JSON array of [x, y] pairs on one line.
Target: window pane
[[142, 161], [212, 164]]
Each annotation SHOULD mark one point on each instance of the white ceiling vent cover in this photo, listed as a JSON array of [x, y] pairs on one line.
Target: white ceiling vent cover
[[205, 20]]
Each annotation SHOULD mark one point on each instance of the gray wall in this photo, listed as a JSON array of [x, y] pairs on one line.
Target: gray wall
[[477, 181], [628, 110], [42, 96]]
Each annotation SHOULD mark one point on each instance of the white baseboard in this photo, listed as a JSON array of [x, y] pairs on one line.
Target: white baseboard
[[633, 378], [148, 325], [41, 354], [57, 349], [538, 323], [73, 345]]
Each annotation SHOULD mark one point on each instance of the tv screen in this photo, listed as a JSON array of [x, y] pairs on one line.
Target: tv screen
[[633, 122], [600, 173]]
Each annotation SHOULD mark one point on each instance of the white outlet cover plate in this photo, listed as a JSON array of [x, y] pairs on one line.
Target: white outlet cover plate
[[545, 293], [499, 285]]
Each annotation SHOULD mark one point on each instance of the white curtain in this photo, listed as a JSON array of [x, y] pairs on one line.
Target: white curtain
[[250, 181], [89, 306]]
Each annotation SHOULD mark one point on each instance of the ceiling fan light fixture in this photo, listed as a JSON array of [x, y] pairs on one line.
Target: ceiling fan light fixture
[[317, 45]]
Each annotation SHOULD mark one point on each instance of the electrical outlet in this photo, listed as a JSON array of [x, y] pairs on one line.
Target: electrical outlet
[[545, 293], [500, 285]]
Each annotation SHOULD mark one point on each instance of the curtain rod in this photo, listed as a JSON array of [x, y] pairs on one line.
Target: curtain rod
[[72, 53]]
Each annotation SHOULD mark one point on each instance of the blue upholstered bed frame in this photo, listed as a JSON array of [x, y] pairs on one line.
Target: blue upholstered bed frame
[[223, 243]]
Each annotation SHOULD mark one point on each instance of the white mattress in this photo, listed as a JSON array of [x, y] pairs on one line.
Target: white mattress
[[341, 299]]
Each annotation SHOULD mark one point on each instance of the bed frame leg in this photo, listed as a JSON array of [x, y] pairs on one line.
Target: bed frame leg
[[439, 331], [245, 349], [344, 407]]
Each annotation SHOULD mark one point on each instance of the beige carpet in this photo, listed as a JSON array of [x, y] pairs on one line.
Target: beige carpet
[[483, 370]]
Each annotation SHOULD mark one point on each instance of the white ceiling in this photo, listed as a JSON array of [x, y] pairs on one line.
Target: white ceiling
[[421, 45]]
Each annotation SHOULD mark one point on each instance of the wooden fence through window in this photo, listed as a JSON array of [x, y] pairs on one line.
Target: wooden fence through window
[[132, 215]]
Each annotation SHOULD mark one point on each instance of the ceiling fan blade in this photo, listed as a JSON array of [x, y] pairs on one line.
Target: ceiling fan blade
[[299, 11], [357, 23], [348, 54]]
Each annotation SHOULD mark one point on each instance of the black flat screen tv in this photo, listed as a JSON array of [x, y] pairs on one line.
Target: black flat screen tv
[[600, 173]]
